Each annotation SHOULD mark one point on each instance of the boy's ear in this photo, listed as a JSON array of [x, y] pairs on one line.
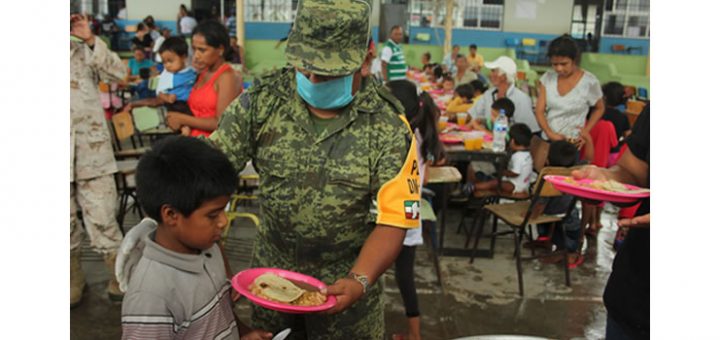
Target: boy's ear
[[169, 215]]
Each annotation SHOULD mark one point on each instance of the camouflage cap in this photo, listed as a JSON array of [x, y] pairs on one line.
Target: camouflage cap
[[329, 37]]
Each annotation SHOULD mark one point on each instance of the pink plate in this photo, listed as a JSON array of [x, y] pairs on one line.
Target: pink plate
[[450, 139], [242, 281], [595, 194]]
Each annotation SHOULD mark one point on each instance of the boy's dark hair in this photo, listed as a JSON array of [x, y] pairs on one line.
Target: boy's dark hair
[[182, 172], [448, 77], [138, 48], [614, 93], [144, 73], [177, 45], [504, 104], [562, 153], [521, 134], [564, 46], [473, 46], [141, 26], [438, 72], [430, 66], [478, 85], [465, 91], [428, 55]]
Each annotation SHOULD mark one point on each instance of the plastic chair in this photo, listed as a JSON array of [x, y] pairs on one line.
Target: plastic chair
[[146, 118], [529, 49]]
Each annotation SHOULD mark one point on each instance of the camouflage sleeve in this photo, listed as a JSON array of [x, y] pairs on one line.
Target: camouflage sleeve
[[106, 63], [234, 134], [398, 199]]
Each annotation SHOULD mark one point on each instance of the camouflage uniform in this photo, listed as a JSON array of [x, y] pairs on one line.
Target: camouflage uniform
[[322, 193], [92, 162]]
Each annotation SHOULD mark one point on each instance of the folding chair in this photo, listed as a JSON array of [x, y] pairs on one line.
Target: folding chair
[[519, 216]]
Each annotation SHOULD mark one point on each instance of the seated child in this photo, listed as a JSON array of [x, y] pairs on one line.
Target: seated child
[[176, 80], [136, 63], [436, 75], [614, 92], [561, 154], [448, 84], [516, 179], [180, 287], [487, 123], [462, 100]]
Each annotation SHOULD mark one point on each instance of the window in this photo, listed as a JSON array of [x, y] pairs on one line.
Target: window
[[580, 25], [270, 10], [627, 18], [479, 14]]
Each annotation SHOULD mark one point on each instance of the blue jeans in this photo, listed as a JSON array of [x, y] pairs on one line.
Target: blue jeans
[[613, 331]]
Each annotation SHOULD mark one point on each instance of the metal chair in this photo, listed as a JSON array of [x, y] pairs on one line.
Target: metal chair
[[520, 216]]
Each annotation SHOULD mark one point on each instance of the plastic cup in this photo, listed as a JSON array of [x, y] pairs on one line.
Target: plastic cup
[[462, 118], [442, 123]]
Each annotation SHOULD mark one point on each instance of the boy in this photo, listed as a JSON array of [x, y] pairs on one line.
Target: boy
[[516, 179], [462, 100], [175, 82], [561, 154], [180, 288], [504, 104]]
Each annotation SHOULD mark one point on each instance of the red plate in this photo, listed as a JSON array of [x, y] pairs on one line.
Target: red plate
[[242, 281], [595, 194]]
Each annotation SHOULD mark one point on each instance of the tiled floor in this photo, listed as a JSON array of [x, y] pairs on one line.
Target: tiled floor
[[476, 299]]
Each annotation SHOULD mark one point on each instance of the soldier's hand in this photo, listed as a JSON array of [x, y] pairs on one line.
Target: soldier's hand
[[346, 291], [80, 28]]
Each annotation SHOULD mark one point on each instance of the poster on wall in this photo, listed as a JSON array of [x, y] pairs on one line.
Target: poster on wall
[[526, 9]]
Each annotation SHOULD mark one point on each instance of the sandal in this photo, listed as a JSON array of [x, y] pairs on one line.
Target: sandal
[[575, 260]]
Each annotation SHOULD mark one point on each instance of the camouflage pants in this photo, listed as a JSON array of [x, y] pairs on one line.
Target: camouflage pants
[[97, 198], [364, 320]]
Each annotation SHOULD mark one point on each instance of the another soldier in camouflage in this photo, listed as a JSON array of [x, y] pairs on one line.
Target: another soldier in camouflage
[[92, 162], [338, 168]]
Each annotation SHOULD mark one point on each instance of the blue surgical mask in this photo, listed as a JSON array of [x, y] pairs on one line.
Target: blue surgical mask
[[331, 94]]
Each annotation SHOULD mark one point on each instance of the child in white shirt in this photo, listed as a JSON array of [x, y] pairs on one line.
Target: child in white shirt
[[516, 179]]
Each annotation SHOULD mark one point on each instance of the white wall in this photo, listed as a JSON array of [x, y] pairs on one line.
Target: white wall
[[551, 16], [159, 9]]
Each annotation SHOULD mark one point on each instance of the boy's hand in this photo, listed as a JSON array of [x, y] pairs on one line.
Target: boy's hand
[[347, 291], [257, 334]]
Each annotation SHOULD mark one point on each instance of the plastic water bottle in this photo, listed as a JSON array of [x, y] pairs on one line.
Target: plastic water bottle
[[500, 130]]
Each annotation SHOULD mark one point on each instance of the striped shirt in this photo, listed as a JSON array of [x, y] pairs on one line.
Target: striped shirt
[[392, 54], [178, 296]]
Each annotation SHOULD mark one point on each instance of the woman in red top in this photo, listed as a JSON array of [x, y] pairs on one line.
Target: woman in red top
[[216, 86]]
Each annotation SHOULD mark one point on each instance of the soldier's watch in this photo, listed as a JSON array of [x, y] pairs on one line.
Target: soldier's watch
[[363, 279]]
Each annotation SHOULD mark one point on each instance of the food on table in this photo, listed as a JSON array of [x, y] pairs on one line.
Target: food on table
[[611, 185], [275, 288]]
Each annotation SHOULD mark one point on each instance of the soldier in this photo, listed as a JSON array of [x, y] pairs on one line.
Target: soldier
[[92, 162], [338, 170]]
